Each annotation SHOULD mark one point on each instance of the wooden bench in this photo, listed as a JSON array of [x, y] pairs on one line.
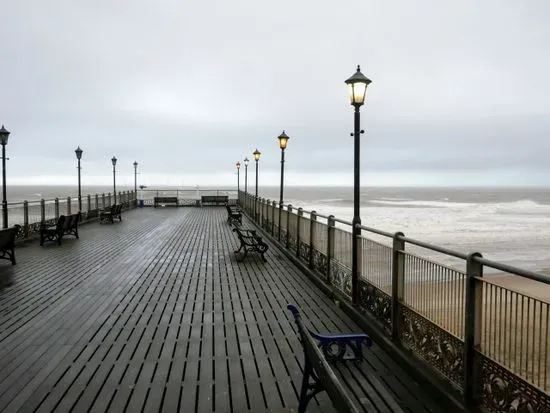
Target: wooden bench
[[250, 241], [214, 199], [109, 215], [234, 216], [333, 363], [66, 225], [165, 200], [7, 242]]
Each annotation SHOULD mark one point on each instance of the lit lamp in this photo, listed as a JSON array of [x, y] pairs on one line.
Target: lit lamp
[[257, 155], [4, 135], [78, 153], [357, 85], [283, 141], [113, 160]]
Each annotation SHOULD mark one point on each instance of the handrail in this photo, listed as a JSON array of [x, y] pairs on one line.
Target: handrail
[[535, 276]]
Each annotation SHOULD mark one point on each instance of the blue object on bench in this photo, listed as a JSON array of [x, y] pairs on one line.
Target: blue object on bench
[[335, 346]]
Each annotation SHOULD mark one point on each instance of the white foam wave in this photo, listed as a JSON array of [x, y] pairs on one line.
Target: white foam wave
[[432, 204]]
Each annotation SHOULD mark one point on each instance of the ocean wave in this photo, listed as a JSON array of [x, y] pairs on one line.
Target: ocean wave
[[333, 200], [426, 204]]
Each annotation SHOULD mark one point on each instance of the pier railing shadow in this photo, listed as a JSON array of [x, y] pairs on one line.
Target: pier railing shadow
[[486, 337]]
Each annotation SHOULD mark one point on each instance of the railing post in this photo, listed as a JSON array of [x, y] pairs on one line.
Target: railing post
[[96, 201], [261, 212], [398, 282], [56, 208], [472, 328], [273, 220], [288, 212], [42, 211], [299, 218], [26, 219], [89, 203], [265, 214], [68, 205], [331, 224], [312, 229]]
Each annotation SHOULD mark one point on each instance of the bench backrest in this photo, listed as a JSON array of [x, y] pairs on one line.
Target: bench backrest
[[214, 198], [332, 385], [74, 221], [7, 236], [166, 199], [60, 223]]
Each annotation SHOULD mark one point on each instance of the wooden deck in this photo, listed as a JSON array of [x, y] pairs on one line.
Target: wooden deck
[[154, 314]]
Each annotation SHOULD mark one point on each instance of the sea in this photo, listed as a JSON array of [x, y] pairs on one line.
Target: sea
[[509, 225]]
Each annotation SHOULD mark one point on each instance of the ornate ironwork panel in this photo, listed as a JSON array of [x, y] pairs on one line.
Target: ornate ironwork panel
[[377, 303], [292, 243], [304, 251], [431, 343], [320, 263], [341, 277], [283, 235], [503, 391]]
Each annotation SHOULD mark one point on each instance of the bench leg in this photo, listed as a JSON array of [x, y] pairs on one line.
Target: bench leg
[[313, 388], [243, 255], [12, 256]]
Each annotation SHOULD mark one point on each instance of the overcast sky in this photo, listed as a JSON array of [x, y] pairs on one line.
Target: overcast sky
[[460, 91]]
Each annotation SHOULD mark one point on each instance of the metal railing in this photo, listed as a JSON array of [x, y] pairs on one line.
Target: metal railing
[[31, 215], [488, 336]]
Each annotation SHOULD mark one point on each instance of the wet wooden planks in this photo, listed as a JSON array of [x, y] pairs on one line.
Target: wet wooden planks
[[155, 314]]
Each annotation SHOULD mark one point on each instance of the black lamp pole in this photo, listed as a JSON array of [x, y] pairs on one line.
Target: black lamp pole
[[113, 160], [257, 155], [4, 135], [283, 140], [238, 181], [78, 152], [135, 182], [245, 182], [358, 88]]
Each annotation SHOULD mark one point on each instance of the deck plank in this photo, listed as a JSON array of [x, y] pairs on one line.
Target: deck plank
[[155, 314]]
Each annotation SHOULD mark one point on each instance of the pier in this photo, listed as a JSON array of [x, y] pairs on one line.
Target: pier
[[155, 314]]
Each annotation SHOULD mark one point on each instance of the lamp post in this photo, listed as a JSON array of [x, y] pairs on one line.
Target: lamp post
[[283, 140], [113, 160], [257, 155], [135, 182], [78, 152], [357, 85], [238, 165], [245, 182], [4, 135]]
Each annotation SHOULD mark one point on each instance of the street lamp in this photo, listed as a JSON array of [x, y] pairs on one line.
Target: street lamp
[[113, 160], [283, 141], [257, 155], [245, 182], [238, 165], [78, 152], [135, 182], [4, 135], [357, 85]]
